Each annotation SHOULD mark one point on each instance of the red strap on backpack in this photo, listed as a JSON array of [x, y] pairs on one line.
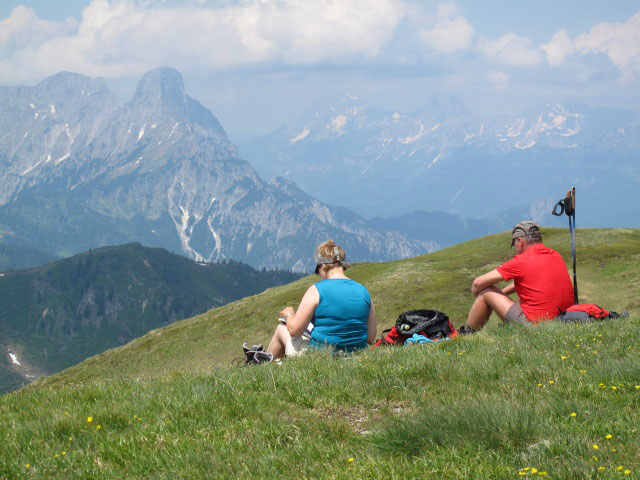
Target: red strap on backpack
[[592, 309]]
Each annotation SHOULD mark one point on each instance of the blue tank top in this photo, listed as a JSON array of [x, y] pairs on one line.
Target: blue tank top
[[340, 319]]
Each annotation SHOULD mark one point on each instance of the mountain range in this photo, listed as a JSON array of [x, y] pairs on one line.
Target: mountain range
[[79, 170], [384, 163], [57, 315]]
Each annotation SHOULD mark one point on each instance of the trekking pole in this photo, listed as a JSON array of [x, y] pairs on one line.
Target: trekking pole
[[568, 205]]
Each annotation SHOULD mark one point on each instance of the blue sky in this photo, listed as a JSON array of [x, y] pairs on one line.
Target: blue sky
[[259, 63]]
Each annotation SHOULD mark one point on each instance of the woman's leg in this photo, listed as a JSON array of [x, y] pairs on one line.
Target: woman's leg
[[279, 341]]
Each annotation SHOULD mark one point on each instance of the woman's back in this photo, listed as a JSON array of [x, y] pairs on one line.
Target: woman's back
[[340, 319]]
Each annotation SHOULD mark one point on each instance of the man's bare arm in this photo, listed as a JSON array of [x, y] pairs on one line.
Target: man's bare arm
[[486, 280]]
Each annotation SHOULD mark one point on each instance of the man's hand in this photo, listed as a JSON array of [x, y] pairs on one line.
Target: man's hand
[[509, 289]]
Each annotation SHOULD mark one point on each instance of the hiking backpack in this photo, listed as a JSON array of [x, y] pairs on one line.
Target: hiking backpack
[[586, 312], [433, 324]]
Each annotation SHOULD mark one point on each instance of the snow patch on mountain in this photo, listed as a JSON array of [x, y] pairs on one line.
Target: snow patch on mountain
[[301, 136], [337, 123], [63, 158], [216, 238], [435, 160], [14, 358], [422, 130], [469, 136], [523, 146]]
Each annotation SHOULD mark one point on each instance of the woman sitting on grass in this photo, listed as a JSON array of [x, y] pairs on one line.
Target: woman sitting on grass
[[339, 308]]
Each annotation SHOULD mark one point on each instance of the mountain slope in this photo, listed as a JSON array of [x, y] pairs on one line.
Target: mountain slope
[[57, 315], [608, 273], [79, 170], [442, 157], [518, 402]]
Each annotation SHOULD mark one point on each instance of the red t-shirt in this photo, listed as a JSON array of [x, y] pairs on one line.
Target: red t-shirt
[[542, 282]]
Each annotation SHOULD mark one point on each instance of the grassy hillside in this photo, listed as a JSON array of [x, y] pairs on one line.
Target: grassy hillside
[[57, 315], [608, 275], [560, 401]]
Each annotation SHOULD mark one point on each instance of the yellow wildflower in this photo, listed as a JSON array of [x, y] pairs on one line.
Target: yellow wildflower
[[533, 470], [27, 465], [550, 382], [627, 472], [582, 371], [350, 459], [70, 438], [521, 473], [613, 387], [64, 453], [563, 357], [544, 474], [89, 419], [98, 427], [608, 436], [601, 468], [619, 467], [595, 447]]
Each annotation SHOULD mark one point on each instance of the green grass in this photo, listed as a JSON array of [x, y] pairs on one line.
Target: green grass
[[484, 406]]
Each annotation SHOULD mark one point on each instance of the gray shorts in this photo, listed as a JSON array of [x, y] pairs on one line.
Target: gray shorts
[[516, 315]]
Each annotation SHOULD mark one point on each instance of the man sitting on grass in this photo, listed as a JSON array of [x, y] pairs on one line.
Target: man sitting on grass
[[540, 278]]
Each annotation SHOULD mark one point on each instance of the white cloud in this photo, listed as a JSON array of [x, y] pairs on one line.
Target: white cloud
[[619, 41], [23, 29], [559, 48], [450, 31], [126, 37], [512, 49], [498, 79]]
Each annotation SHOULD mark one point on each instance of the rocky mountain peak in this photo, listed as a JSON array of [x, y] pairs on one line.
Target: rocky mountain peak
[[447, 105], [160, 94], [68, 87], [162, 86]]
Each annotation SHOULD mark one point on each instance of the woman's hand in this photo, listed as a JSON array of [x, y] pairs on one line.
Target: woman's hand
[[287, 312]]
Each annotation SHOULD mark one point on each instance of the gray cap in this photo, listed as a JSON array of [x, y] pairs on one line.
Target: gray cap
[[335, 259], [522, 229]]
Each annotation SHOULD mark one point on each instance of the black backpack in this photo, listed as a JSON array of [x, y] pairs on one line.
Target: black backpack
[[432, 324]]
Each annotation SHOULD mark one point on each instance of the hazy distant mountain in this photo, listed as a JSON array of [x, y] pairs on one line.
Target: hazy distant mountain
[[442, 157], [57, 315], [79, 170], [18, 257]]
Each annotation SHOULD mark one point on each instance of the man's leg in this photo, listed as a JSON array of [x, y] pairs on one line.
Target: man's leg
[[488, 300]]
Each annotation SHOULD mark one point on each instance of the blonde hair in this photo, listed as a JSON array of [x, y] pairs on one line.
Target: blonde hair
[[330, 250]]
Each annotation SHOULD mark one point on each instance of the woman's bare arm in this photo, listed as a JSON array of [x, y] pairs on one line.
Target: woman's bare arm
[[297, 321]]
